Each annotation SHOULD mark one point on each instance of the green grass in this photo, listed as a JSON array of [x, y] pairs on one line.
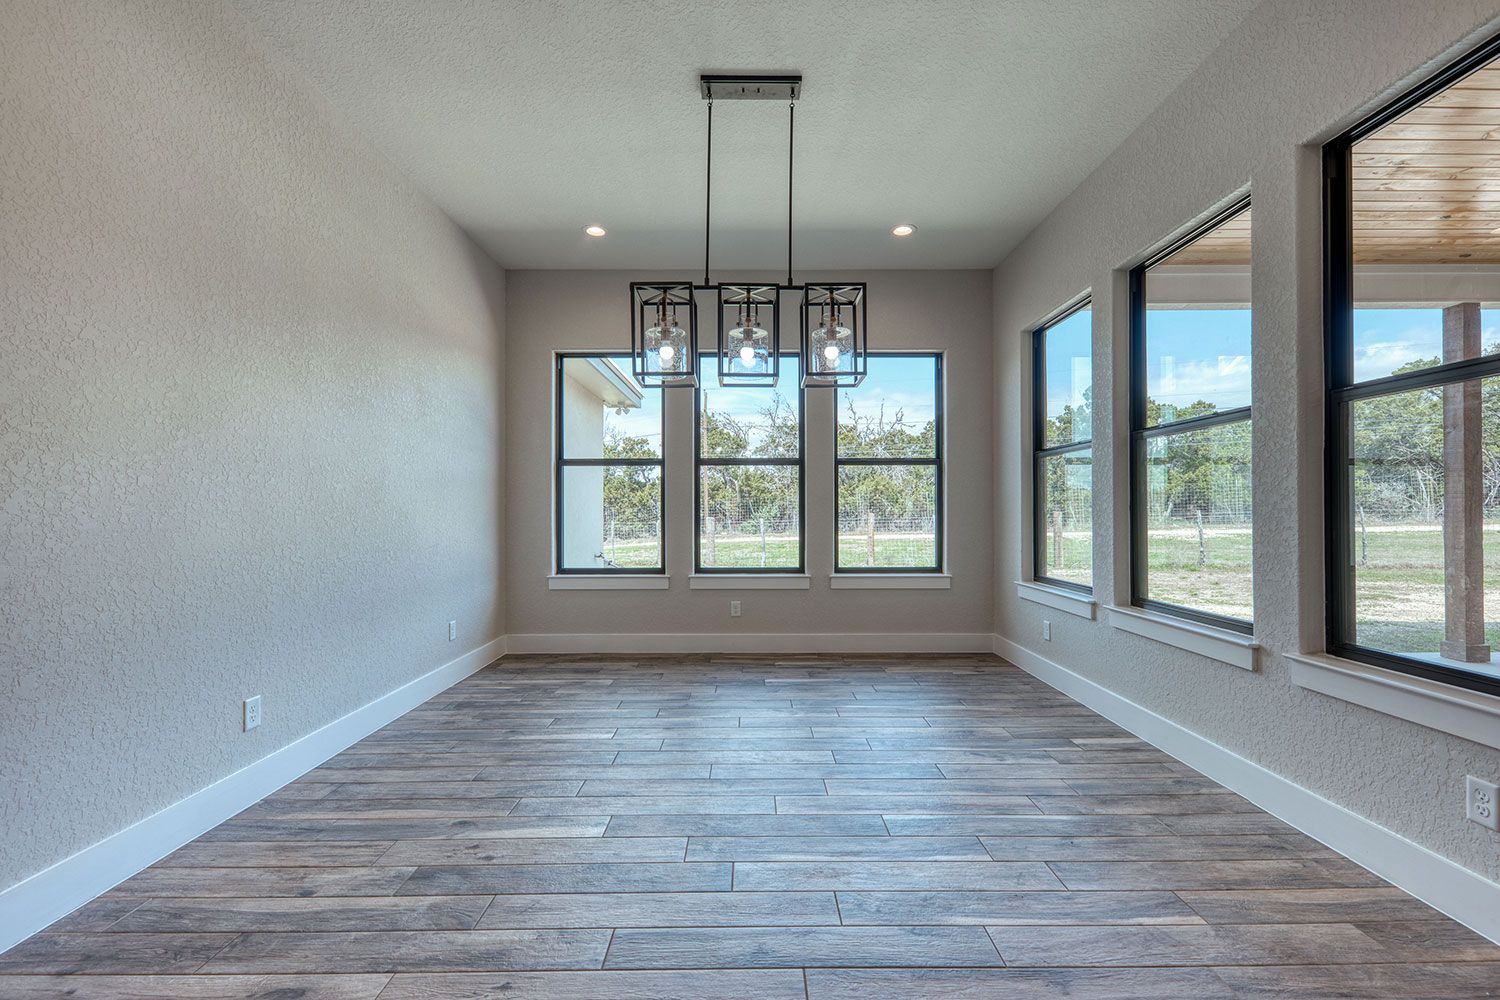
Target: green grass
[[747, 552], [1398, 582], [1398, 578]]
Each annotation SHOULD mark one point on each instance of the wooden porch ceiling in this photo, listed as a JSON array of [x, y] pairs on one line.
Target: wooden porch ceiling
[[1426, 186]]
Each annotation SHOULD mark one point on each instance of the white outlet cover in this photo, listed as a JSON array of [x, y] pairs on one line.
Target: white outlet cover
[[1481, 804], [734, 609], [452, 631], [252, 713], [1047, 631]]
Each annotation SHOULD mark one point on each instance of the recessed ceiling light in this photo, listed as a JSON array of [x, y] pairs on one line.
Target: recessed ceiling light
[[595, 231], [905, 229]]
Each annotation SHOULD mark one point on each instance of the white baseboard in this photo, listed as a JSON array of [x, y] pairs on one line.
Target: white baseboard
[[754, 642], [32, 904], [1466, 896]]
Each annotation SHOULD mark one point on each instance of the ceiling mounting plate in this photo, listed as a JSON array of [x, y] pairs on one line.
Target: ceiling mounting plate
[[750, 86]]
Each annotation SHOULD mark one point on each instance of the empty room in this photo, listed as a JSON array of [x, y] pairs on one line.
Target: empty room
[[761, 500]]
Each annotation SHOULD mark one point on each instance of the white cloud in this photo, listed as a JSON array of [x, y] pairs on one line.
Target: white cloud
[[1224, 380]]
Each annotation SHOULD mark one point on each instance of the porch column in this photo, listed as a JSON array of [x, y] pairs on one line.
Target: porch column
[[1463, 495]]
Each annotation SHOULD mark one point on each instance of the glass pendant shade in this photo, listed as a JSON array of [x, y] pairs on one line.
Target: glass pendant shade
[[749, 317], [833, 336], [664, 334]]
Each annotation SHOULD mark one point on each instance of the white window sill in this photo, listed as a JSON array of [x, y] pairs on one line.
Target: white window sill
[[1072, 602], [1471, 715], [750, 581], [1215, 643], [890, 581], [608, 581]]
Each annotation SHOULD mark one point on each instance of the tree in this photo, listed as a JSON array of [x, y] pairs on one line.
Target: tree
[[899, 496], [632, 493], [1072, 502], [1398, 452], [750, 498]]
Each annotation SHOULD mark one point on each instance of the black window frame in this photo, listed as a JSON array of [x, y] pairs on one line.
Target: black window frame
[[1140, 433], [936, 462], [700, 462], [1041, 451], [561, 462], [1340, 389]]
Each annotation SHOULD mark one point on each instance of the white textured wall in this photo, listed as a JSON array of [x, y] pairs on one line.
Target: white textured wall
[[250, 417], [550, 311], [1250, 118]]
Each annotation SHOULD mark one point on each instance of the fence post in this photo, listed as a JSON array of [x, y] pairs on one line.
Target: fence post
[[762, 541], [1202, 551], [1057, 537], [713, 549], [870, 544], [1364, 539]]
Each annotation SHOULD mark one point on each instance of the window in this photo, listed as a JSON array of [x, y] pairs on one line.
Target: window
[[1190, 511], [1412, 285], [1063, 460], [609, 468], [888, 467], [749, 468]]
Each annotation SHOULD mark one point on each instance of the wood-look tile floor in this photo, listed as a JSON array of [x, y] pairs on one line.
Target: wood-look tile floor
[[721, 827]]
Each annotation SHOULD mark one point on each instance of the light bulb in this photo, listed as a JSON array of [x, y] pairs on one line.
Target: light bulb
[[666, 352], [747, 355], [831, 353]]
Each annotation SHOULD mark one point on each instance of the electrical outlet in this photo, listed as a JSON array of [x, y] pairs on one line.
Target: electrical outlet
[[252, 713], [452, 631], [734, 609], [1046, 630], [1482, 807]]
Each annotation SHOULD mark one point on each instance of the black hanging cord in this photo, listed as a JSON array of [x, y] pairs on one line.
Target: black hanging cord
[[708, 188], [791, 134]]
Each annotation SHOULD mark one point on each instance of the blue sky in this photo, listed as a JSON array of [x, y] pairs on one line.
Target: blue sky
[[1197, 354], [904, 384], [1194, 354], [1386, 339], [1069, 370], [744, 403]]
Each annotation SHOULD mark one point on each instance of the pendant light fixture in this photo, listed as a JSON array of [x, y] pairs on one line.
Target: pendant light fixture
[[664, 351], [749, 320], [664, 314], [833, 335]]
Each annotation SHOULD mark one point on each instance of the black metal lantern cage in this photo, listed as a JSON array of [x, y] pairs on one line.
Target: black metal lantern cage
[[849, 302], [735, 301], [646, 299]]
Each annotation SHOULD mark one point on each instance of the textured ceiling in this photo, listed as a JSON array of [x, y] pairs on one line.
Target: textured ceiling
[[526, 119]]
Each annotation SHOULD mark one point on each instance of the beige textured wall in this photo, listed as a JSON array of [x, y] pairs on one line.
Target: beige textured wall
[[250, 417], [1250, 118], [549, 311]]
